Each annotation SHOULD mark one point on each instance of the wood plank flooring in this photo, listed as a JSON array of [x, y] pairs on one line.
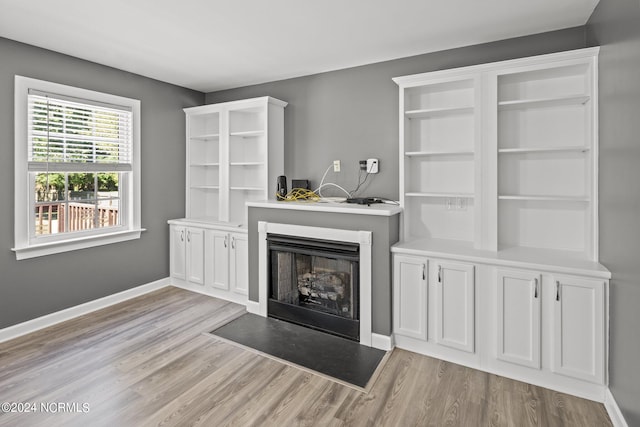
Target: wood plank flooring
[[148, 362]]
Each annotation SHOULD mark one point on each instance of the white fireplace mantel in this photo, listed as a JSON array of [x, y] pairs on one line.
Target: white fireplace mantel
[[362, 238]]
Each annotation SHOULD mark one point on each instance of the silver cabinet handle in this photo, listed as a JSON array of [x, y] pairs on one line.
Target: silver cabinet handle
[[424, 267], [535, 291], [557, 290], [233, 243], [182, 235], [439, 274], [189, 236], [225, 241]]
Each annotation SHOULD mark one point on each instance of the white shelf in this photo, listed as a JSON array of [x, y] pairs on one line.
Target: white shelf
[[543, 198], [205, 187], [246, 163], [567, 148], [434, 112], [206, 137], [439, 153], [241, 188], [248, 133], [205, 164], [543, 102], [461, 195]]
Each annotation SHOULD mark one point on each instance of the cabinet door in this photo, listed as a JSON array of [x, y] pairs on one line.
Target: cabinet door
[[578, 328], [519, 317], [177, 261], [195, 255], [410, 296], [218, 259], [455, 313], [239, 264]]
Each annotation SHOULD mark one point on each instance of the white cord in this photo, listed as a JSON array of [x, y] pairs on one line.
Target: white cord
[[328, 184], [319, 189], [332, 185]]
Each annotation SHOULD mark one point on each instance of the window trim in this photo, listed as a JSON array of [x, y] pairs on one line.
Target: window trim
[[24, 248]]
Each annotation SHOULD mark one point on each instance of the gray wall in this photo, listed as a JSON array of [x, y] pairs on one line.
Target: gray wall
[[615, 26], [352, 114], [384, 233], [39, 286]]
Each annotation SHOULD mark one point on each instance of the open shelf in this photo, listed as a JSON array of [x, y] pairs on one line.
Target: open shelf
[[247, 133], [444, 195], [543, 102], [544, 198], [247, 188], [439, 153], [205, 164], [206, 187], [206, 137], [567, 148], [246, 163], [434, 112]]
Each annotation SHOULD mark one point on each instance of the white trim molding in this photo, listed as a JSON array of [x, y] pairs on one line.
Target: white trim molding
[[45, 321], [362, 238], [382, 342], [610, 404]]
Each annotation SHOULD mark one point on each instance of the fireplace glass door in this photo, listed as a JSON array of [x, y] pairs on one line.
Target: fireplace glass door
[[315, 283]]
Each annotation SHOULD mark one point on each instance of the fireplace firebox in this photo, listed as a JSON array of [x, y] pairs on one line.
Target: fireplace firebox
[[315, 283]]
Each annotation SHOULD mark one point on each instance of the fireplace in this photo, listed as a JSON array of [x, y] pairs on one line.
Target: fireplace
[[315, 283]]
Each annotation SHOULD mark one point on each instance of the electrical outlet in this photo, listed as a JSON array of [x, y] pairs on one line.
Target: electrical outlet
[[372, 165], [461, 203], [448, 204], [363, 165], [336, 165]]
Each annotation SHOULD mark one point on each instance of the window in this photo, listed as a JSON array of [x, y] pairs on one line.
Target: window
[[77, 168]]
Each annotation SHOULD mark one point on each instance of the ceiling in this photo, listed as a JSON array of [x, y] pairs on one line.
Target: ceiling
[[209, 45]]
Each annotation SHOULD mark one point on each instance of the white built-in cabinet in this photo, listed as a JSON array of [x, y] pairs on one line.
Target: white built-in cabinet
[[434, 306], [187, 254], [455, 301], [579, 328], [518, 317], [234, 153], [498, 182], [228, 267], [410, 296]]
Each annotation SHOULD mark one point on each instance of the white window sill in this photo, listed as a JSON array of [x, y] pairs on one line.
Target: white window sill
[[43, 249]]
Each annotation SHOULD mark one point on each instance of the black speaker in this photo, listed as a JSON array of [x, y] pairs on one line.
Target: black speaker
[[282, 187]]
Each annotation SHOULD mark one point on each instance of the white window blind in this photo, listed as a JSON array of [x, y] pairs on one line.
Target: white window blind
[[70, 134], [77, 168]]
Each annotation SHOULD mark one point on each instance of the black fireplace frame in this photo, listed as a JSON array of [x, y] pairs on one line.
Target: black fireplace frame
[[326, 322]]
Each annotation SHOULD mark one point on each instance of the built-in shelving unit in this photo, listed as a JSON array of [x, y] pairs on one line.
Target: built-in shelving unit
[[498, 266], [439, 141], [545, 143], [502, 155], [234, 154]]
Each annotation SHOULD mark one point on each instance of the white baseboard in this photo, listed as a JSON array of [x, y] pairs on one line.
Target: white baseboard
[[617, 419], [382, 342], [253, 307], [38, 323]]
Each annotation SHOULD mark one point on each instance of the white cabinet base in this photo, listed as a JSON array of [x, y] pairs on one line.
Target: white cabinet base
[[221, 259], [520, 327]]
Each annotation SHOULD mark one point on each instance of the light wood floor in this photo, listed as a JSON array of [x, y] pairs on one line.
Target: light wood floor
[[147, 362]]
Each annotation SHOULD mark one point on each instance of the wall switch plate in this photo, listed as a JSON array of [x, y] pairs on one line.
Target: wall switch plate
[[336, 165], [372, 165]]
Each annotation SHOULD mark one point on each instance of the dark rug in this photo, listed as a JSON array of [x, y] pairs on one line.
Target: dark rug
[[330, 355]]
